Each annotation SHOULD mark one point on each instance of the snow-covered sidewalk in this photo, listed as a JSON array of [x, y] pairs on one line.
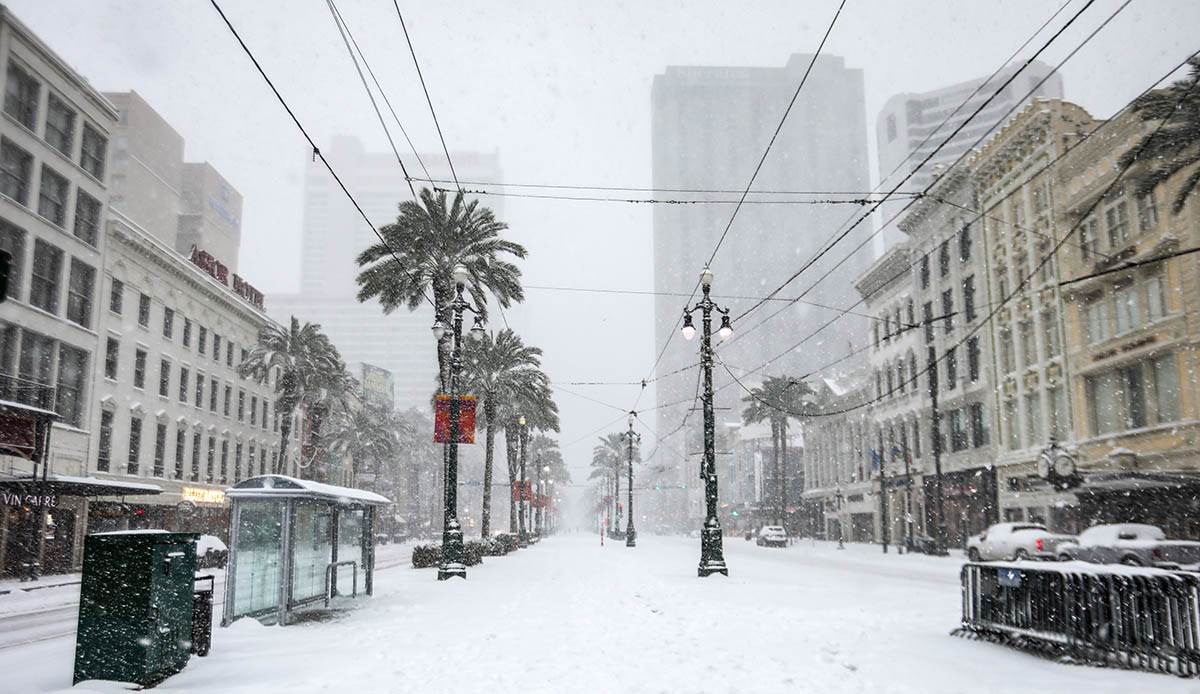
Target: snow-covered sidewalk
[[569, 615]]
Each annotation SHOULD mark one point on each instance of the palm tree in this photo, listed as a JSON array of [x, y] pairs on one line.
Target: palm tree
[[306, 368], [1176, 144], [423, 246], [777, 400], [610, 453], [368, 435], [532, 399], [498, 368]]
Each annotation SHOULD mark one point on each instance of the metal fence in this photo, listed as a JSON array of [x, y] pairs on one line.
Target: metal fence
[[1110, 615]]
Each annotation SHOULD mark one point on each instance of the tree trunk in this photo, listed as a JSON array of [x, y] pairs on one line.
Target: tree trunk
[[778, 473], [783, 456], [285, 430], [489, 453], [510, 451]]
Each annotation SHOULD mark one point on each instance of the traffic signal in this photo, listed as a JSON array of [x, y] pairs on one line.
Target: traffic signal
[[5, 268]]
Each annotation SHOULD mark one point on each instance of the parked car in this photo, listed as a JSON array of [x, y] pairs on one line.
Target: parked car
[[772, 536], [211, 553], [1130, 543], [1015, 541]]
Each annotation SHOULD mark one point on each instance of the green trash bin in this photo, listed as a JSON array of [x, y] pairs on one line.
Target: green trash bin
[[135, 606]]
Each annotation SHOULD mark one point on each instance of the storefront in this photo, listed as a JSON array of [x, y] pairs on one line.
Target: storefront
[[969, 499], [1169, 500], [202, 510]]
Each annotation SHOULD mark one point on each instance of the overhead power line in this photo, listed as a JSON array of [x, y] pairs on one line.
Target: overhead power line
[[315, 150], [425, 89], [861, 202], [642, 189]]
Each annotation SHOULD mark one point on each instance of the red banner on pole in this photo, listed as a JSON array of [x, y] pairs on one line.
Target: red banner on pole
[[466, 419], [522, 491]]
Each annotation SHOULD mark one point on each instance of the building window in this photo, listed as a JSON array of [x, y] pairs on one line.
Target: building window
[[978, 425], [224, 461], [47, 273], [214, 391], [1057, 412], [135, 443], [12, 239], [160, 448], [1116, 400], [52, 197], [927, 313], [959, 440], [916, 439], [875, 333], [60, 124], [887, 327], [912, 318], [944, 258], [168, 322], [973, 359], [104, 449], [93, 151], [216, 347], [1011, 424], [87, 218], [202, 340], [1028, 345], [1126, 303], [262, 461], [21, 95], [116, 296], [79, 293], [164, 378], [212, 459], [241, 405], [1049, 318], [228, 353], [1087, 239], [951, 368], [139, 369], [144, 310], [180, 451], [964, 243], [237, 462], [228, 400], [196, 443], [111, 355], [1147, 212], [1033, 418], [187, 332], [1116, 221], [72, 369], [15, 167], [250, 460], [948, 310], [969, 299], [275, 427], [199, 401], [1006, 350], [1156, 300], [1096, 310], [925, 272], [1166, 388]]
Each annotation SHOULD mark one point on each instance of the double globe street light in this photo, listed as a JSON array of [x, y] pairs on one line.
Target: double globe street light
[[453, 563], [712, 556]]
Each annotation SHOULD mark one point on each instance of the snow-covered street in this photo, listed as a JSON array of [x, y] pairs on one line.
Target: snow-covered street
[[568, 614]]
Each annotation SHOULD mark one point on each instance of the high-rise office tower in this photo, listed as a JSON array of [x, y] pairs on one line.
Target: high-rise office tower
[[710, 126]]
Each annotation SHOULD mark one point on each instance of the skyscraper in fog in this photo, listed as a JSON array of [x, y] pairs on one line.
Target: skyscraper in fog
[[710, 125], [908, 118], [334, 233]]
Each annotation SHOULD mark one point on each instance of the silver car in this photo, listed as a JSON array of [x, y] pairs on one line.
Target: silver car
[[1135, 544], [1004, 541]]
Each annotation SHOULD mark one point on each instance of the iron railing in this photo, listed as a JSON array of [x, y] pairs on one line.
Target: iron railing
[[1131, 617]]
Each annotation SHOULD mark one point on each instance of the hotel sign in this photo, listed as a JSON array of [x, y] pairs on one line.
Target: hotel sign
[[202, 495], [206, 262]]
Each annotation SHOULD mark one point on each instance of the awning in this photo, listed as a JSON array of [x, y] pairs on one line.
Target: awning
[[1124, 482], [67, 485]]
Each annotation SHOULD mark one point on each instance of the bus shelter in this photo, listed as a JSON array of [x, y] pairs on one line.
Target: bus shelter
[[296, 543]]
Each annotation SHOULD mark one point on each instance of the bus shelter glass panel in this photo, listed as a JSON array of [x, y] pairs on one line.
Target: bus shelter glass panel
[[311, 551], [351, 526], [259, 531]]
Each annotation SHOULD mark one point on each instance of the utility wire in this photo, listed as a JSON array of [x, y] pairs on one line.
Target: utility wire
[[343, 31], [861, 202], [382, 93], [643, 189], [316, 151], [428, 100]]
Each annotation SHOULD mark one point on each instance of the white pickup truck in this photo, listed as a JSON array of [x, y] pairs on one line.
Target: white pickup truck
[[1135, 544], [1015, 541]]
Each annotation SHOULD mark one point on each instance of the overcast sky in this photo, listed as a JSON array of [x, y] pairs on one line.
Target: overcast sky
[[561, 90]]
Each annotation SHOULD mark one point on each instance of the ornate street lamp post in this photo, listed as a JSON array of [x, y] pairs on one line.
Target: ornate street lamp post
[[523, 439], [841, 534], [453, 554], [712, 556], [630, 533]]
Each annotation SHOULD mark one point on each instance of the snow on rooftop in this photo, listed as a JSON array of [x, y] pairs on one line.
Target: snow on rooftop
[[283, 485]]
